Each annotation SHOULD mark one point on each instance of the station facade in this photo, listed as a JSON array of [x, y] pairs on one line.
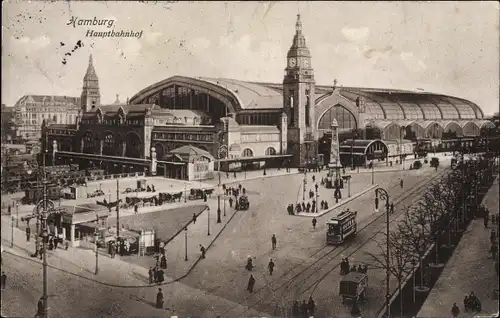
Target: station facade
[[253, 119]]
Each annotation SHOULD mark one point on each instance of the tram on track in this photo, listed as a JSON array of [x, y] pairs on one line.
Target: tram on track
[[340, 227]]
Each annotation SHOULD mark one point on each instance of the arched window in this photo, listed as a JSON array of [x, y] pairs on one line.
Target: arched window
[[110, 146], [160, 152], [345, 118], [247, 152], [88, 142], [134, 145], [270, 151]]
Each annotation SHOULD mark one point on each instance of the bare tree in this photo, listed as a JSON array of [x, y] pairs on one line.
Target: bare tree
[[415, 234], [400, 260]]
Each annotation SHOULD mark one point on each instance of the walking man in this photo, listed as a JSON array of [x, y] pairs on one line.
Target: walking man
[[194, 218], [151, 273], [203, 251], [270, 266], [312, 306], [251, 284], [455, 310], [494, 250], [401, 183], [159, 299], [3, 280], [273, 241], [314, 223], [231, 202], [486, 219]]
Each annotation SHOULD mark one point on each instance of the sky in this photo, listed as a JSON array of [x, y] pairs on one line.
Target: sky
[[450, 48]]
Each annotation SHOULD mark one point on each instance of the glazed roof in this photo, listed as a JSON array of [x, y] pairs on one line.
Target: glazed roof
[[389, 104]]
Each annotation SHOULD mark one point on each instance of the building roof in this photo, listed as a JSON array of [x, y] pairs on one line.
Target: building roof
[[191, 151], [252, 95], [258, 129], [51, 98], [388, 104]]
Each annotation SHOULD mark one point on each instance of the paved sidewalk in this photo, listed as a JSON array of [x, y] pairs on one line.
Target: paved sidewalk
[[117, 272], [470, 269]]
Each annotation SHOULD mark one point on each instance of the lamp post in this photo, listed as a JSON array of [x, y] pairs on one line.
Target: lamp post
[[385, 196], [224, 205], [304, 186], [208, 223], [185, 192], [186, 243], [12, 234], [96, 238], [220, 153], [17, 214]]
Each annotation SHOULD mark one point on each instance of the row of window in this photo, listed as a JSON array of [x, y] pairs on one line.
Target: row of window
[[260, 137], [184, 136], [257, 119]]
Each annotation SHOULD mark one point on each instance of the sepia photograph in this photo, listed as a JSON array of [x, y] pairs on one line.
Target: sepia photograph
[[234, 159]]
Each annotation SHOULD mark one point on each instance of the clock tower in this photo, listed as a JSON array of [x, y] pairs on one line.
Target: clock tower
[[298, 100]]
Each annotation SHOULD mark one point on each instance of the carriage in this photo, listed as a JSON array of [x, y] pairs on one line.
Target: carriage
[[242, 203], [352, 286]]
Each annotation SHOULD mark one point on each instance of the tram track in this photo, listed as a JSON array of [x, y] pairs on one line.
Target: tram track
[[324, 260]]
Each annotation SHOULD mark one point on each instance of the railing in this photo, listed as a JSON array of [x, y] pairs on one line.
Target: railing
[[115, 176]]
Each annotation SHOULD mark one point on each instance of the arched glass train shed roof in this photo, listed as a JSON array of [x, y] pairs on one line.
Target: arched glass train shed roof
[[362, 147], [380, 104]]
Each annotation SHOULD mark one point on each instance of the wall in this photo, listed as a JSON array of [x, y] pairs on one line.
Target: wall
[[258, 143]]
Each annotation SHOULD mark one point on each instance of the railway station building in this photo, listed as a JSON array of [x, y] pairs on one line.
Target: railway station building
[[246, 122]]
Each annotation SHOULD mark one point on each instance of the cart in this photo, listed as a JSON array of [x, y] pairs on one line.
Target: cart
[[352, 286], [242, 203]]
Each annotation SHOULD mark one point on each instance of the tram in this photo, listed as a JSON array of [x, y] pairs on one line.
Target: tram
[[340, 227]]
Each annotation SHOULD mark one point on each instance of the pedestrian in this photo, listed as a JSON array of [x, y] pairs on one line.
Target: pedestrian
[[136, 209], [360, 268], [28, 234], [273, 241], [194, 218], [159, 299], [3, 279], [493, 236], [39, 308], [494, 251], [163, 262], [66, 245], [466, 303], [353, 268], [392, 208], [160, 277], [311, 306], [251, 284], [151, 275], [455, 310], [41, 251], [303, 308], [231, 202], [203, 251], [295, 308], [486, 219], [270, 266], [401, 183], [239, 186], [314, 223], [234, 174], [56, 241]]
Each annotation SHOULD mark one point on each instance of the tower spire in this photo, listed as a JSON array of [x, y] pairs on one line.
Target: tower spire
[[91, 62], [298, 24]]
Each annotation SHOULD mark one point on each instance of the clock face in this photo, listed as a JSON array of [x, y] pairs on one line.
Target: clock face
[[292, 62], [306, 63]]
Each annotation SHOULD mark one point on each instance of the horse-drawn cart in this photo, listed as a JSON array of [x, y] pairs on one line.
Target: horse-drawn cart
[[352, 286], [242, 203]]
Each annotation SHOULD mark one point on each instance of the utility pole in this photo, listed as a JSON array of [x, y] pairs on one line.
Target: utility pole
[[12, 234], [96, 238], [385, 196], [117, 208]]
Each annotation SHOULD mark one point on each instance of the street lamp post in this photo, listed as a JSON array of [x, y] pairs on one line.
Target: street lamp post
[[185, 192], [96, 238], [385, 196], [208, 223], [12, 234], [17, 214], [304, 186], [220, 152], [224, 205], [186, 243]]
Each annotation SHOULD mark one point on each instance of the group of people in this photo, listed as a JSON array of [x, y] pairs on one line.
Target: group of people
[[302, 207], [156, 273], [345, 268], [150, 188], [471, 304], [305, 309]]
